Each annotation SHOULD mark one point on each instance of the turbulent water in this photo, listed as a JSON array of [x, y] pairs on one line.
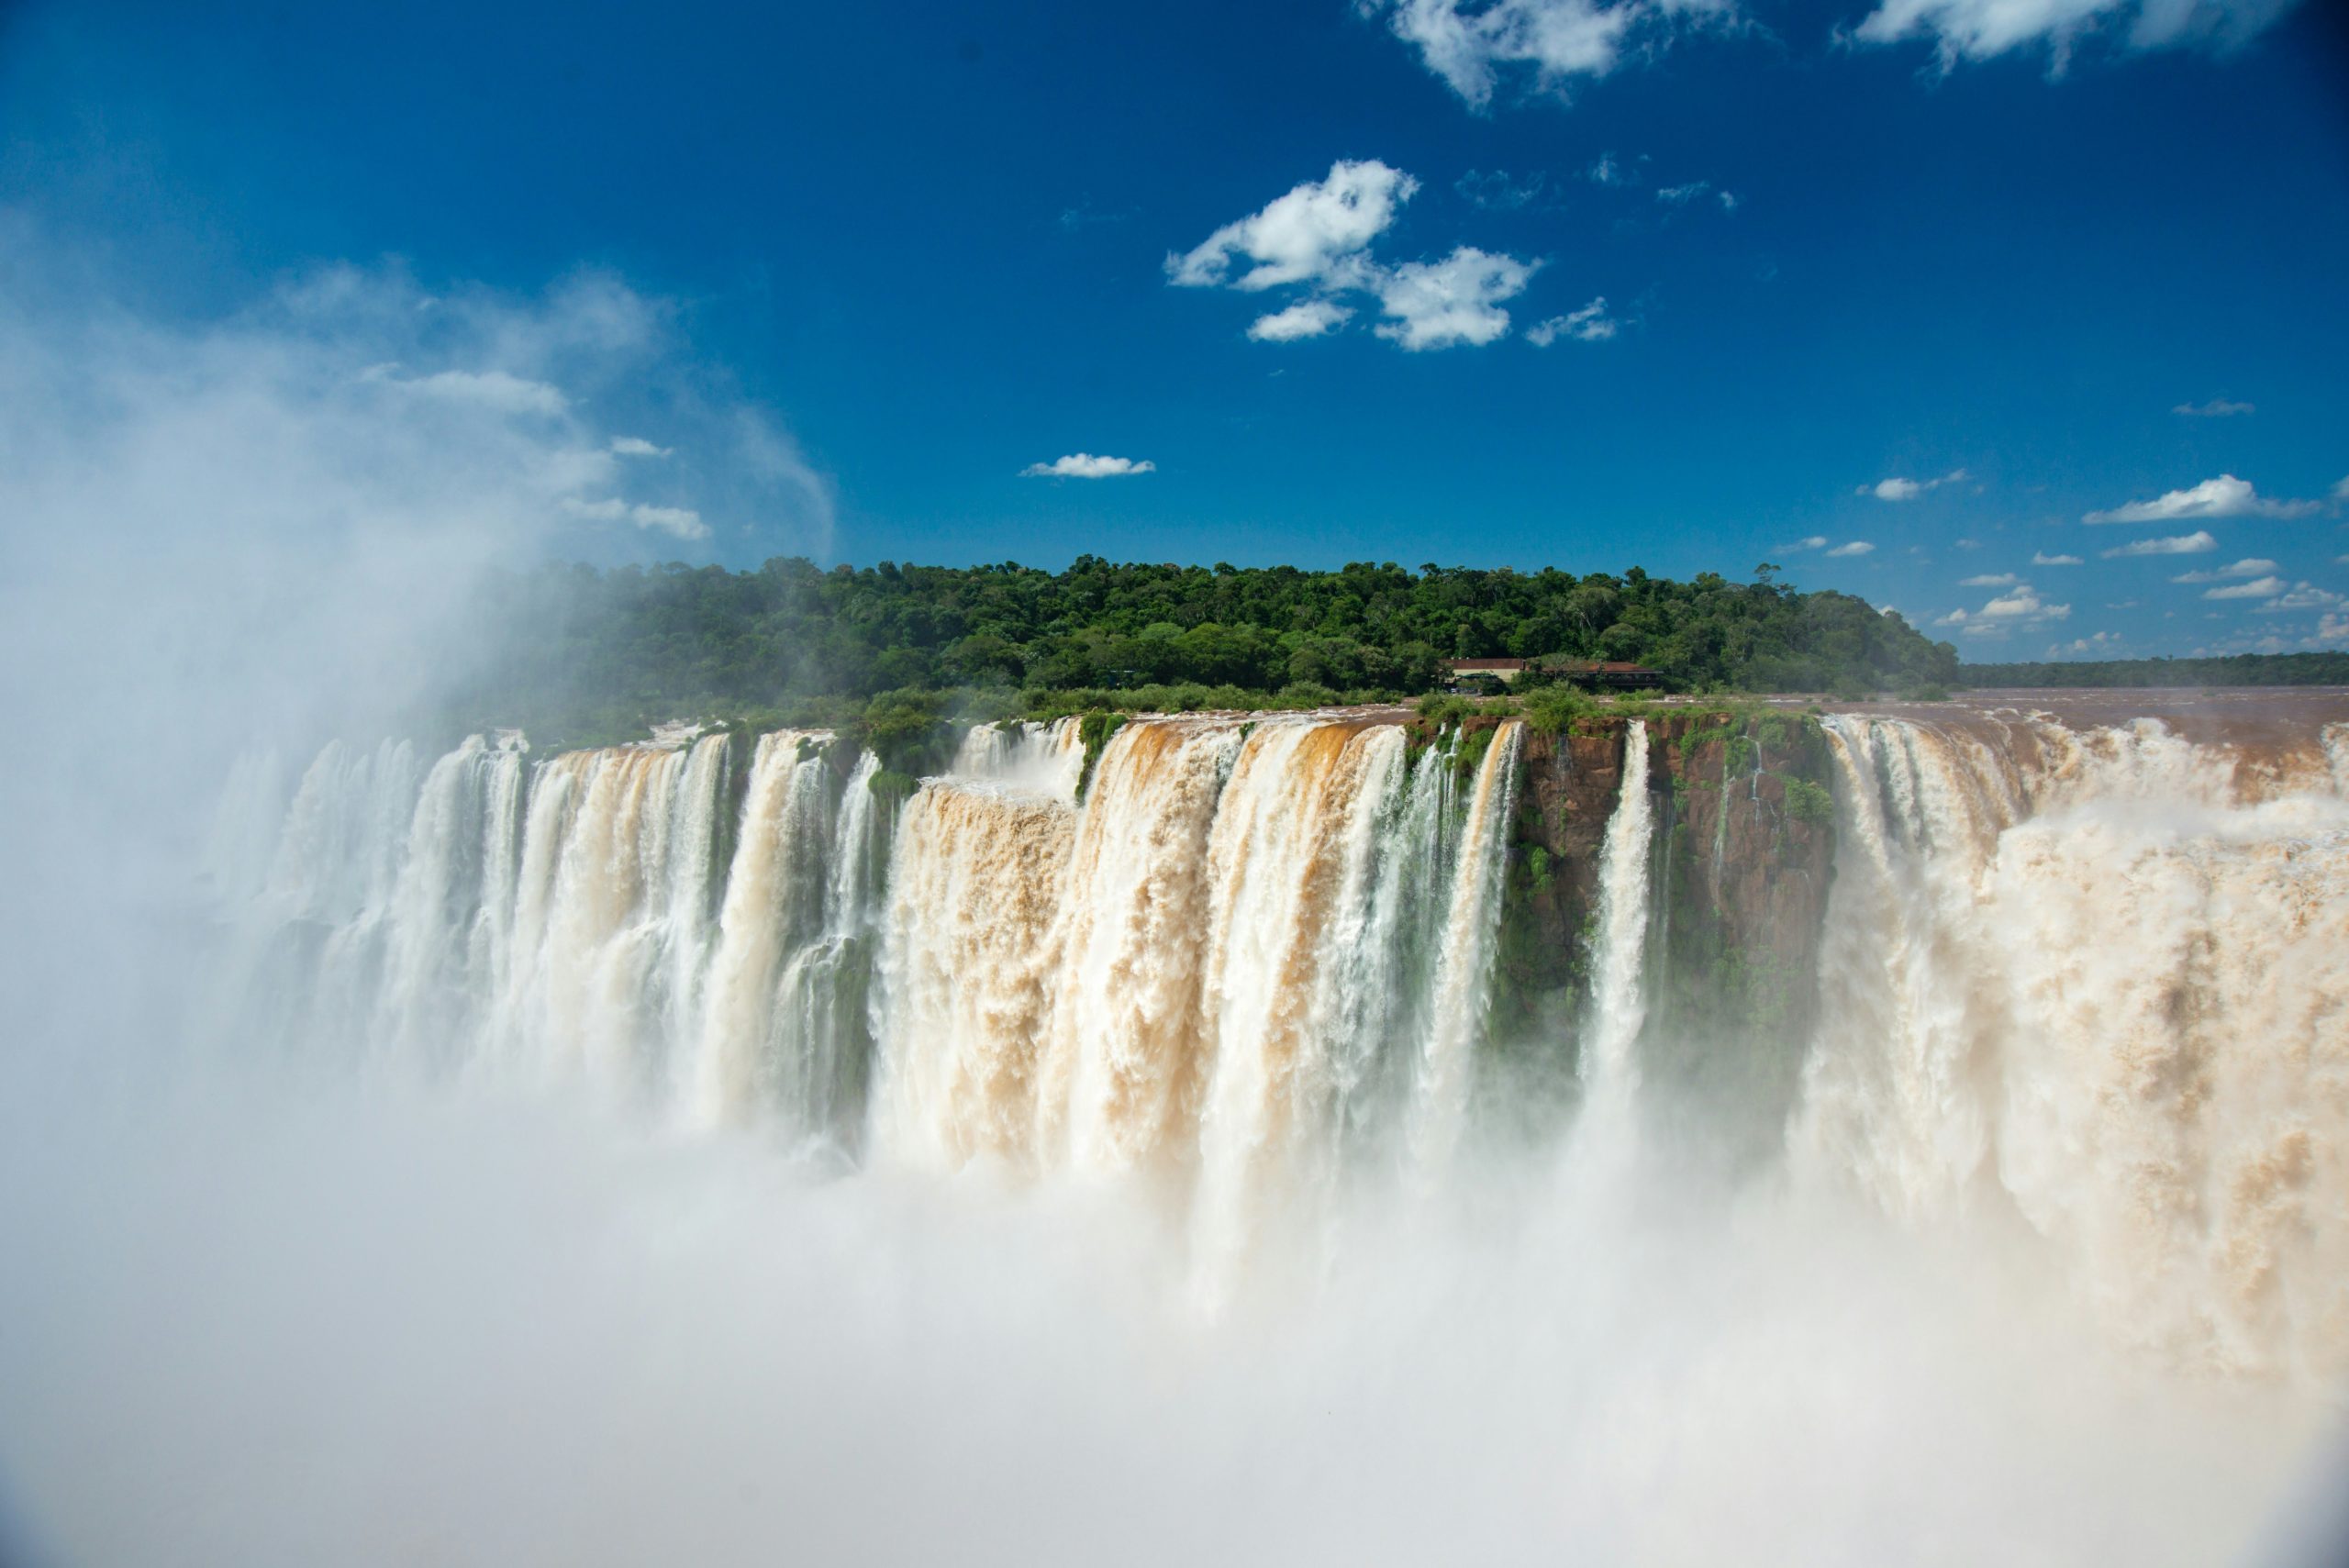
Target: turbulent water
[[2103, 974], [2093, 975]]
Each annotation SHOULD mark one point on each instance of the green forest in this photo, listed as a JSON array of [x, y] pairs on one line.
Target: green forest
[[609, 650]]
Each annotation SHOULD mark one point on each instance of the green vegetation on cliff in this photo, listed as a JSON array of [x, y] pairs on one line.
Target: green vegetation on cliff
[[585, 646]]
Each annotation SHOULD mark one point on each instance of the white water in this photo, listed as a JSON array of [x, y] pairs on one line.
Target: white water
[[1464, 970], [2101, 981], [1610, 1068], [2093, 981]]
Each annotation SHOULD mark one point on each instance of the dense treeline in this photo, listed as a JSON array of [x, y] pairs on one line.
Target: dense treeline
[[678, 638], [2238, 670]]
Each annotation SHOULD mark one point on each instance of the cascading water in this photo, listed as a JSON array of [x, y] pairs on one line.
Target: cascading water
[[2096, 974], [1464, 970], [1610, 1069], [2102, 976]]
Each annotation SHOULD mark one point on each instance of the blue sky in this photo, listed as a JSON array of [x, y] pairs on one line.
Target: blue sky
[[1684, 284]]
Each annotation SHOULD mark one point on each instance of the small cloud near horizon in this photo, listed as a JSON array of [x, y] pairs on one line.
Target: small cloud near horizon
[[1085, 465]]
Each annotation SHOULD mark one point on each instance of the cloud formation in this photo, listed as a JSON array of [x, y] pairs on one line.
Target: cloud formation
[[2019, 605], [637, 446], [1085, 465], [1319, 236], [1989, 580], [1908, 489], [2217, 408], [1857, 547], [1435, 305], [2196, 543], [1982, 29], [1305, 318], [2302, 595], [2259, 588], [2040, 558], [1591, 324], [2225, 496], [2249, 567], [1316, 233], [1552, 42]]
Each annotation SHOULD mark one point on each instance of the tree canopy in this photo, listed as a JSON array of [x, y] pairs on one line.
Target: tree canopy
[[680, 637]]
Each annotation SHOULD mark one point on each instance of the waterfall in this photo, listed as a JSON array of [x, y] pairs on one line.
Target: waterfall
[[970, 954], [1289, 868], [2090, 977], [2101, 978], [1610, 1068], [1463, 968], [773, 903]]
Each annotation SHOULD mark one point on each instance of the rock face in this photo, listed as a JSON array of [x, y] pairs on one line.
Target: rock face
[[1737, 875]]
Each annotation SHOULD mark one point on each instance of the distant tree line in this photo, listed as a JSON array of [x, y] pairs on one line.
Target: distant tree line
[[679, 639], [2237, 670]]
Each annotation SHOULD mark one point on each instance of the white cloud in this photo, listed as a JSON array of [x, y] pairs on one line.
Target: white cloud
[[1317, 233], [2301, 596], [2217, 408], [1908, 489], [681, 521], [1728, 201], [2341, 491], [1989, 580], [1979, 29], [2196, 543], [2040, 558], [1815, 541], [1681, 195], [1305, 318], [2260, 588], [2225, 496], [1857, 547], [2022, 604], [2250, 567], [1969, 544], [1085, 465], [1607, 171], [1436, 304], [1468, 44], [2095, 642], [1591, 324], [497, 390], [637, 446]]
